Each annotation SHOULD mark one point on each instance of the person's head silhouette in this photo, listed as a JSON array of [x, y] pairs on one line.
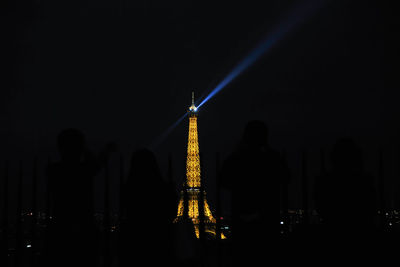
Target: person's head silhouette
[[71, 143], [255, 134], [346, 155]]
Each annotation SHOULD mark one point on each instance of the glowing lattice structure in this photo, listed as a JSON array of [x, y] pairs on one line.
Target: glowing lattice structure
[[191, 194], [193, 158]]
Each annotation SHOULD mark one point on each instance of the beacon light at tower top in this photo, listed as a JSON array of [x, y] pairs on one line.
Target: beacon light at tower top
[[193, 108]]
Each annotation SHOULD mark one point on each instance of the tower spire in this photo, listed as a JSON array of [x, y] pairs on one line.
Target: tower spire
[[193, 108]]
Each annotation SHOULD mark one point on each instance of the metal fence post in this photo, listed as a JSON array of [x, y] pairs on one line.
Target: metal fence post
[[106, 216], [381, 191], [218, 209], [34, 212], [4, 224], [19, 231], [304, 186]]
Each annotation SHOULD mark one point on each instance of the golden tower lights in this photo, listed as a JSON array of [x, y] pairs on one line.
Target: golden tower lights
[[191, 194]]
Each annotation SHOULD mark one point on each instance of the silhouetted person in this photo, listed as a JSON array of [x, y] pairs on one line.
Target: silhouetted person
[[72, 232], [254, 174], [346, 201], [147, 232]]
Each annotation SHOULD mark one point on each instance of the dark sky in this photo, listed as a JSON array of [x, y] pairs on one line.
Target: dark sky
[[123, 71]]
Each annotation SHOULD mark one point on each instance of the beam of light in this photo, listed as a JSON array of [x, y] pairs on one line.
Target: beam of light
[[164, 135], [295, 18]]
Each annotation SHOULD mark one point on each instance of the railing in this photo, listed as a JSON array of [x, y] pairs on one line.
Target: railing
[[24, 239]]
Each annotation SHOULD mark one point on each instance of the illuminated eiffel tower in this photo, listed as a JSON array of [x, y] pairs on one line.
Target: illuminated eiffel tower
[[191, 196]]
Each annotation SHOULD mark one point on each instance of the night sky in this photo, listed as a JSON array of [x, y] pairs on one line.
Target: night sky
[[123, 71]]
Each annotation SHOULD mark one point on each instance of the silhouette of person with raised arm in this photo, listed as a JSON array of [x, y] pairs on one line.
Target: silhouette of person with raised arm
[[346, 202], [72, 232], [253, 174], [147, 232]]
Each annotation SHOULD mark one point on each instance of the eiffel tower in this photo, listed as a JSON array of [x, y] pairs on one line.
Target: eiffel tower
[[193, 194]]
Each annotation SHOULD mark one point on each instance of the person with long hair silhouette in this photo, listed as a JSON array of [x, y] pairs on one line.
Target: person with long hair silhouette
[[147, 232]]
